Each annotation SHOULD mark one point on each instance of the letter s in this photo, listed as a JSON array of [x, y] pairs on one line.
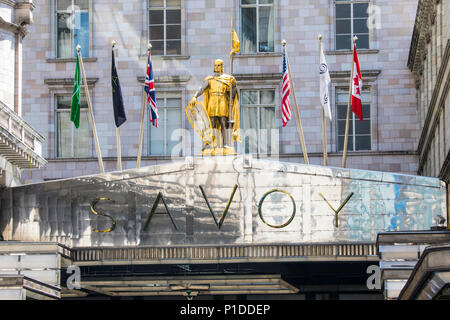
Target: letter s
[[113, 223]]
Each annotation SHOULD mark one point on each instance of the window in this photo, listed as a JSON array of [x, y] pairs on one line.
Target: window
[[257, 26], [351, 20], [360, 139], [165, 27], [72, 28], [258, 120], [163, 139], [70, 141]]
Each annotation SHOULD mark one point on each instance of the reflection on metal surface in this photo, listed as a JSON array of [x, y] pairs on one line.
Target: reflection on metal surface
[[336, 212], [113, 223], [153, 211], [59, 211], [225, 211], [260, 209]]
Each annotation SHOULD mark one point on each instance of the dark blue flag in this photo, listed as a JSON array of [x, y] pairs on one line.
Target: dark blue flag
[[119, 110]]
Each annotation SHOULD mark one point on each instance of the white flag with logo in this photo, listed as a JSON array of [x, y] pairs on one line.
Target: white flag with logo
[[324, 84]]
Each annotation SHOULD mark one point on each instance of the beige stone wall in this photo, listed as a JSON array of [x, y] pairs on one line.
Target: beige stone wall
[[432, 70], [206, 28]]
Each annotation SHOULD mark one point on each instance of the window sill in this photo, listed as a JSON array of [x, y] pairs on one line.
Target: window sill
[[345, 52], [70, 60], [156, 57], [259, 55]]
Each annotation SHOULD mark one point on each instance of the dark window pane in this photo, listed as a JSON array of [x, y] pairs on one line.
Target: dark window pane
[[360, 10], [363, 41], [158, 47], [173, 32], [360, 26], [342, 112], [341, 127], [156, 17], [248, 1], [342, 11], [343, 26], [341, 143], [156, 33], [362, 127], [266, 29], [366, 111], [265, 1], [343, 42], [248, 42], [173, 47], [363, 143], [173, 16]]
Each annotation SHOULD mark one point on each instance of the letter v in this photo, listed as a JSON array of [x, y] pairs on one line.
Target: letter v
[[225, 211]]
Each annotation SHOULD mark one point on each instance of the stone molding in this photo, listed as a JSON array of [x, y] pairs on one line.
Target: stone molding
[[437, 104]]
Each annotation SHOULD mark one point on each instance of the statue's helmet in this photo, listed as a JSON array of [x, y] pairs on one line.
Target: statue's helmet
[[218, 66]]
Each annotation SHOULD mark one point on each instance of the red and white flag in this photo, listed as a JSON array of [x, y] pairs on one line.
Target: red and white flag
[[357, 85], [285, 92]]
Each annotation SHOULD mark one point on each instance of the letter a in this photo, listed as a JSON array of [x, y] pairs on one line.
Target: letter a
[[152, 212]]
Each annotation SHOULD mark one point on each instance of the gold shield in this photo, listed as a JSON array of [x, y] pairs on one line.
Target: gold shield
[[200, 122]]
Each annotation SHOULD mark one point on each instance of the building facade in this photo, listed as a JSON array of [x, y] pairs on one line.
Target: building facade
[[187, 36], [429, 62], [20, 143]]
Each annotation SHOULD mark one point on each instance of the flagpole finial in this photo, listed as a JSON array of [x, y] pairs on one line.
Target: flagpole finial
[[114, 43], [283, 43], [320, 37], [355, 38], [78, 48]]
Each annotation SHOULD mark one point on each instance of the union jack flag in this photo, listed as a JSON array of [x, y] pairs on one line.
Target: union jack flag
[[286, 90], [151, 93]]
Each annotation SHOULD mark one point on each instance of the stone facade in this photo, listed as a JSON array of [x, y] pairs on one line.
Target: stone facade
[[429, 62], [20, 144], [205, 36]]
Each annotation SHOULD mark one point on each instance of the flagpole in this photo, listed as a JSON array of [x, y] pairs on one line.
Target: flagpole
[[119, 151], [141, 131], [324, 133], [230, 116], [91, 113], [299, 123], [347, 123]]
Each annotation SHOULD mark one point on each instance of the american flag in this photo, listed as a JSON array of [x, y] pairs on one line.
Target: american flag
[[151, 93], [285, 105]]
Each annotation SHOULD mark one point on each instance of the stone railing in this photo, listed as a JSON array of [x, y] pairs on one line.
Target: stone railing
[[20, 144]]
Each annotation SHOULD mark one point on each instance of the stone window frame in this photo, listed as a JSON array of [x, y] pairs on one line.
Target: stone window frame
[[261, 82], [353, 118], [373, 43], [54, 36], [146, 34], [341, 79], [74, 130], [277, 31], [164, 94], [58, 87]]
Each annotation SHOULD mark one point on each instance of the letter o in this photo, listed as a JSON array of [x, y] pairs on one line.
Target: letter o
[[260, 209]]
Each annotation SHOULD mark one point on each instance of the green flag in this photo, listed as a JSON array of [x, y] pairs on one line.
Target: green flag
[[76, 97]]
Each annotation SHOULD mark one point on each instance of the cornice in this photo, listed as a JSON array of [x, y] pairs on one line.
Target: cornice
[[14, 28]]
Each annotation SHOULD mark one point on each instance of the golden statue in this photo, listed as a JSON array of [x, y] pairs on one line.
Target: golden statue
[[218, 91]]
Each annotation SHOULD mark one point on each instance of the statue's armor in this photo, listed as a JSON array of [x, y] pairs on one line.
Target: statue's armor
[[219, 100]]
